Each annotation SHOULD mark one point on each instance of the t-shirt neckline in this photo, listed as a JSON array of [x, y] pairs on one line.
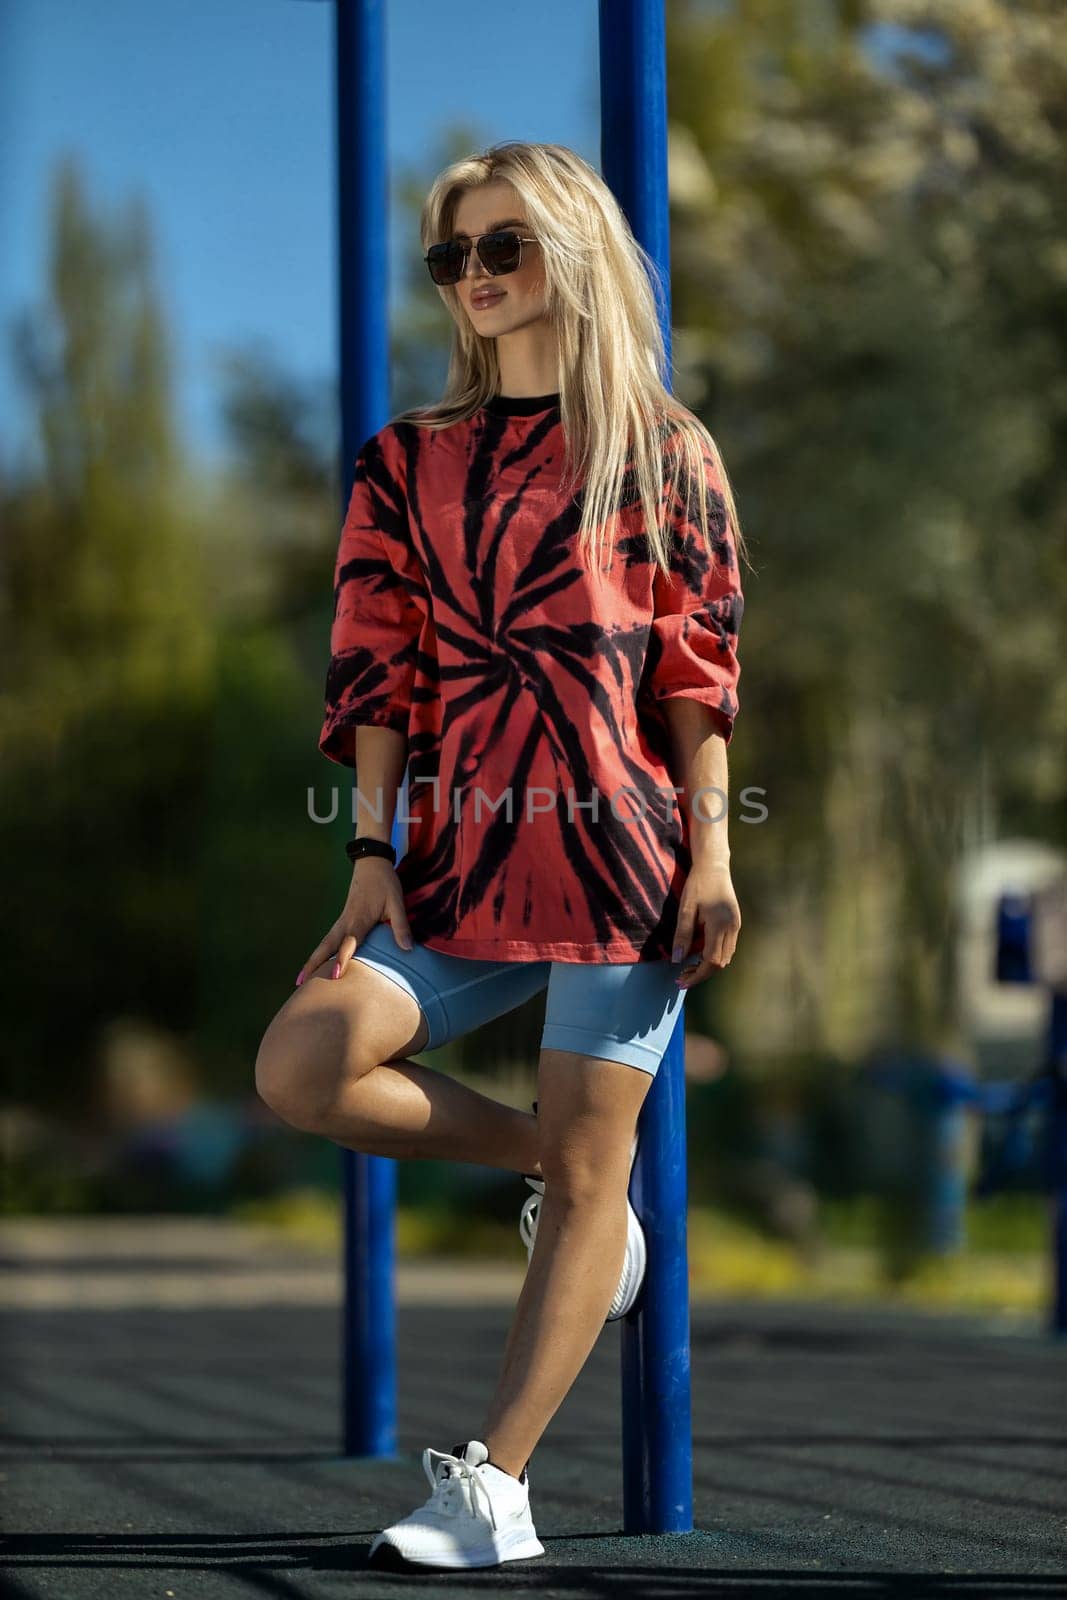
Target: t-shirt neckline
[[504, 405]]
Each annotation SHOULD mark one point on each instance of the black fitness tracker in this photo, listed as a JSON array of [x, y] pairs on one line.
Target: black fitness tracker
[[356, 849]]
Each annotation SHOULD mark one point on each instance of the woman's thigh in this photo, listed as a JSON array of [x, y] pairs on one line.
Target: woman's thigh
[[455, 994], [625, 1012]]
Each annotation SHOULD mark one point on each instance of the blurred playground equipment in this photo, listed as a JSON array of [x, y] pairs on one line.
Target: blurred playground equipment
[[1023, 1117]]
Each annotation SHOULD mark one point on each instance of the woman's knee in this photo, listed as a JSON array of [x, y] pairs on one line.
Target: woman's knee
[[305, 1058], [579, 1162], [587, 1114]]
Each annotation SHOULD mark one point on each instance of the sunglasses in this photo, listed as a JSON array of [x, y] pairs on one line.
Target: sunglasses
[[498, 252]]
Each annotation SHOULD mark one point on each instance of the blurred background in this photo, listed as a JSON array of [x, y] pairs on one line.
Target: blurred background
[[869, 266]]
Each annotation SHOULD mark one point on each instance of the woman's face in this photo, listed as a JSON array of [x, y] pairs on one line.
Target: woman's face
[[515, 298]]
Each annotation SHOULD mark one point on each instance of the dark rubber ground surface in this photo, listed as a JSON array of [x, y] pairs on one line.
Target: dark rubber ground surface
[[194, 1453]]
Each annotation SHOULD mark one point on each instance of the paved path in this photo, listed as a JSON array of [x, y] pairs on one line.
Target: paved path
[[191, 1450]]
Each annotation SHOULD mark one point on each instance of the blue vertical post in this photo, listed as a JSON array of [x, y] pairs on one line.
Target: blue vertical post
[[368, 1354], [1015, 964], [657, 1433], [1057, 1159], [947, 1175]]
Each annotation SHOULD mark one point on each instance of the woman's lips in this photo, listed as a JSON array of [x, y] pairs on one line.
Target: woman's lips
[[486, 300]]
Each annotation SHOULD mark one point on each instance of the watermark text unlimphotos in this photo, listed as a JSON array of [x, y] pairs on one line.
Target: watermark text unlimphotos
[[627, 805]]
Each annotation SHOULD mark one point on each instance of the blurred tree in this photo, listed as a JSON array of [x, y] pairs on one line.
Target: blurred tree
[[869, 274], [276, 496], [108, 664]]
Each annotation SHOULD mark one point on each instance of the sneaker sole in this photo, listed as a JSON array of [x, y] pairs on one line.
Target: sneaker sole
[[640, 1255], [517, 1546]]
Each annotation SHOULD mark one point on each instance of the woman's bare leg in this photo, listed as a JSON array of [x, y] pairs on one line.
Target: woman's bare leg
[[410, 1111], [587, 1111], [332, 1062]]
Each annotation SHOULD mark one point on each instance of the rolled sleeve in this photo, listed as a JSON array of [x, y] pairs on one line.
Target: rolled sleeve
[[374, 637], [692, 650]]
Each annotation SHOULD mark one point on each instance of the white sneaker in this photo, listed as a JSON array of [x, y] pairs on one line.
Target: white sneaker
[[634, 1261], [477, 1516]]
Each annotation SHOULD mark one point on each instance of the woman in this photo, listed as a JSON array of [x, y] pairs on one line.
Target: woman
[[537, 606]]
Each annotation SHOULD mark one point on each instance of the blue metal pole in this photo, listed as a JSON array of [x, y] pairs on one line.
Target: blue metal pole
[[1015, 964], [657, 1430], [947, 1176], [369, 1182], [1057, 1159]]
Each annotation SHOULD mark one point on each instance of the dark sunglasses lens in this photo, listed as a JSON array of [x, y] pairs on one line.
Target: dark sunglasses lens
[[499, 252], [445, 262]]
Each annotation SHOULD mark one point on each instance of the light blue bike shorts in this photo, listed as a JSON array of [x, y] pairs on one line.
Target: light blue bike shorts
[[621, 1012]]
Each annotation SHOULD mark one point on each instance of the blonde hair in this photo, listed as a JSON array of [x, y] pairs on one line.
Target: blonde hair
[[600, 298]]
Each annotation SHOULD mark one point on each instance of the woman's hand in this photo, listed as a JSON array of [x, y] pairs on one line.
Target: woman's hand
[[708, 898], [375, 895]]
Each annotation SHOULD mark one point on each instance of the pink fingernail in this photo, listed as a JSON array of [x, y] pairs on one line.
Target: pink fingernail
[[299, 979], [336, 973]]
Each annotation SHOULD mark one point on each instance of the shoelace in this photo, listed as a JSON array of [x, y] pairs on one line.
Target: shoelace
[[455, 1490]]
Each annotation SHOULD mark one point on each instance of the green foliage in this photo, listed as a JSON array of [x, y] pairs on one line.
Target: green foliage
[[156, 706], [869, 279]]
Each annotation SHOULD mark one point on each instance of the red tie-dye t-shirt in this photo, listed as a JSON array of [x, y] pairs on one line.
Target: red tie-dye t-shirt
[[543, 823]]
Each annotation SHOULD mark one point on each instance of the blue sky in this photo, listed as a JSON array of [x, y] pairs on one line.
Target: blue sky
[[220, 114]]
